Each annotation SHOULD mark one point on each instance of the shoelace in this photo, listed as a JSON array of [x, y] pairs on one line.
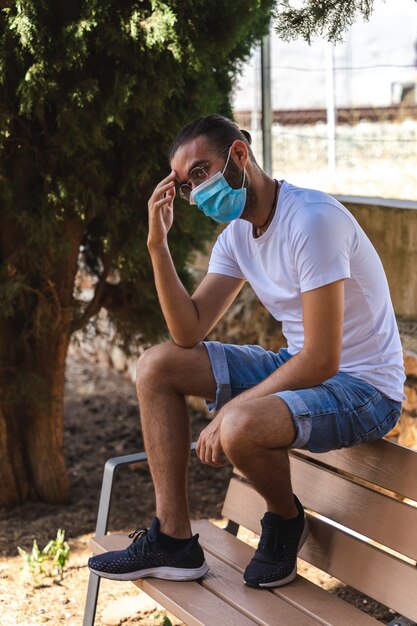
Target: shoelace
[[271, 541], [140, 533]]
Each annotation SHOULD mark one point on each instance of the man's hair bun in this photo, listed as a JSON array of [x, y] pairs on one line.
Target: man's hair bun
[[247, 135]]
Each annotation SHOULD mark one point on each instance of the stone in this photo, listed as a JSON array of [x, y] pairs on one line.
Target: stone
[[410, 404], [125, 608], [408, 431], [410, 363], [394, 433], [131, 369], [118, 359]]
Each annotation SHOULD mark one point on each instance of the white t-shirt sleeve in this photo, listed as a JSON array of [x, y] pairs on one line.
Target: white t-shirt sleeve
[[321, 243], [223, 259]]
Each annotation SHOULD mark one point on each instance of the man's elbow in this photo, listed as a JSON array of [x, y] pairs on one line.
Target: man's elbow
[[322, 365], [186, 342], [186, 345], [188, 337], [329, 367]]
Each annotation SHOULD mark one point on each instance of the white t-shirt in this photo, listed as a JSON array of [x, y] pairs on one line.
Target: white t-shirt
[[312, 241]]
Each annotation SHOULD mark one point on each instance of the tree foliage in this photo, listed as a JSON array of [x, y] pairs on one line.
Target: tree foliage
[[324, 18], [91, 95]]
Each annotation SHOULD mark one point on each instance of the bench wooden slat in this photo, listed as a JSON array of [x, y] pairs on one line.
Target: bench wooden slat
[[375, 573], [393, 582], [244, 505], [189, 601], [325, 608], [382, 462], [368, 512], [262, 606]]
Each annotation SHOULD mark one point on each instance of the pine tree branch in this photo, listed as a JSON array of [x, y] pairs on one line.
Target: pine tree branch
[[96, 302], [328, 19]]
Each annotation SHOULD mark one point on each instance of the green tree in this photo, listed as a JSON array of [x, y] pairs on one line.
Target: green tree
[[324, 18], [91, 95]]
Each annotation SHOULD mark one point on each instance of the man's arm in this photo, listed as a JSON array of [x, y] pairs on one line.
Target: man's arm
[[317, 361], [189, 319]]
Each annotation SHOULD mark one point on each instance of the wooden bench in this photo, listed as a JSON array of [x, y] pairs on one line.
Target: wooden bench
[[362, 509]]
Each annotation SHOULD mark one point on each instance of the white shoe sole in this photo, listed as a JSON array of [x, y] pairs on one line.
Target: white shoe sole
[[166, 573]]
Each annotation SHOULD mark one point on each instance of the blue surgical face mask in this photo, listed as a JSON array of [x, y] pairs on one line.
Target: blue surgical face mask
[[217, 199]]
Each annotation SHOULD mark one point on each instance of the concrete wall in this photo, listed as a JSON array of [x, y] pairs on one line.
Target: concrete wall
[[391, 225]]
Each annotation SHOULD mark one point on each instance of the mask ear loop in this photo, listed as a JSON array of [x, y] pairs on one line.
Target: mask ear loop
[[227, 162]]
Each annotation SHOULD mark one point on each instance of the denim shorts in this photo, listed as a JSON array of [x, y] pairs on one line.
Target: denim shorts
[[341, 412]]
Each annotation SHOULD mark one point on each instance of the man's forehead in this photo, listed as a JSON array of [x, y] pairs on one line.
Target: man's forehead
[[193, 151]]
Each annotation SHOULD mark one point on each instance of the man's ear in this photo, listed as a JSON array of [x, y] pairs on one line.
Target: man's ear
[[240, 152]]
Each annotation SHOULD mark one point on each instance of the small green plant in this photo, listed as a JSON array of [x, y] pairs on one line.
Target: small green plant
[[49, 562], [165, 619]]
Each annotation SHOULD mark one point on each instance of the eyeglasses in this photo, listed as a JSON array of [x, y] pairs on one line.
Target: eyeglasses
[[197, 176]]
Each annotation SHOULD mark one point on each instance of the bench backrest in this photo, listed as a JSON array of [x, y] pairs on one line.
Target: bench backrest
[[362, 508]]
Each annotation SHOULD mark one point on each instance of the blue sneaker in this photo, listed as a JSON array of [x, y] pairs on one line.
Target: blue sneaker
[[275, 561], [145, 557]]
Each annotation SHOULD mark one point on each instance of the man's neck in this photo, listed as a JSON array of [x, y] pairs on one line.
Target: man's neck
[[267, 199]]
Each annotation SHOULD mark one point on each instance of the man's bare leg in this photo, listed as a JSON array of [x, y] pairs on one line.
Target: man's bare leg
[[165, 375], [255, 436]]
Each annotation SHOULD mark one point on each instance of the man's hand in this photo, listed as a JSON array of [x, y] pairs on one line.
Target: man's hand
[[161, 211], [208, 448]]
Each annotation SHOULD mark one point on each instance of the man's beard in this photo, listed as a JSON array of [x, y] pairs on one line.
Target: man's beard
[[234, 176]]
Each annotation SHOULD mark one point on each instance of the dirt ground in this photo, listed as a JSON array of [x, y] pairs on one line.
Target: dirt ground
[[101, 421]]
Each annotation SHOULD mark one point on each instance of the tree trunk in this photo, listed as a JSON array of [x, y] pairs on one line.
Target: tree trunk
[[35, 331], [14, 486], [43, 434], [31, 426]]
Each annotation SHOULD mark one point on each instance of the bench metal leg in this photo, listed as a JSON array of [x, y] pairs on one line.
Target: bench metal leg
[[110, 470], [232, 527], [91, 600]]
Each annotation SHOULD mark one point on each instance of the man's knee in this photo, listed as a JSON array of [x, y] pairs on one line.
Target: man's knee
[[163, 363], [155, 363], [256, 425], [235, 432]]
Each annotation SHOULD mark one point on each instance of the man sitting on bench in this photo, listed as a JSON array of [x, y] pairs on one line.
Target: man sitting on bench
[[338, 384]]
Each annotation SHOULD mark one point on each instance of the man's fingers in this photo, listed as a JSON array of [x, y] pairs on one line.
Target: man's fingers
[[161, 191], [209, 456], [204, 452], [170, 176], [165, 196], [158, 203], [198, 448], [166, 181], [208, 447], [216, 456], [201, 449], [165, 188]]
